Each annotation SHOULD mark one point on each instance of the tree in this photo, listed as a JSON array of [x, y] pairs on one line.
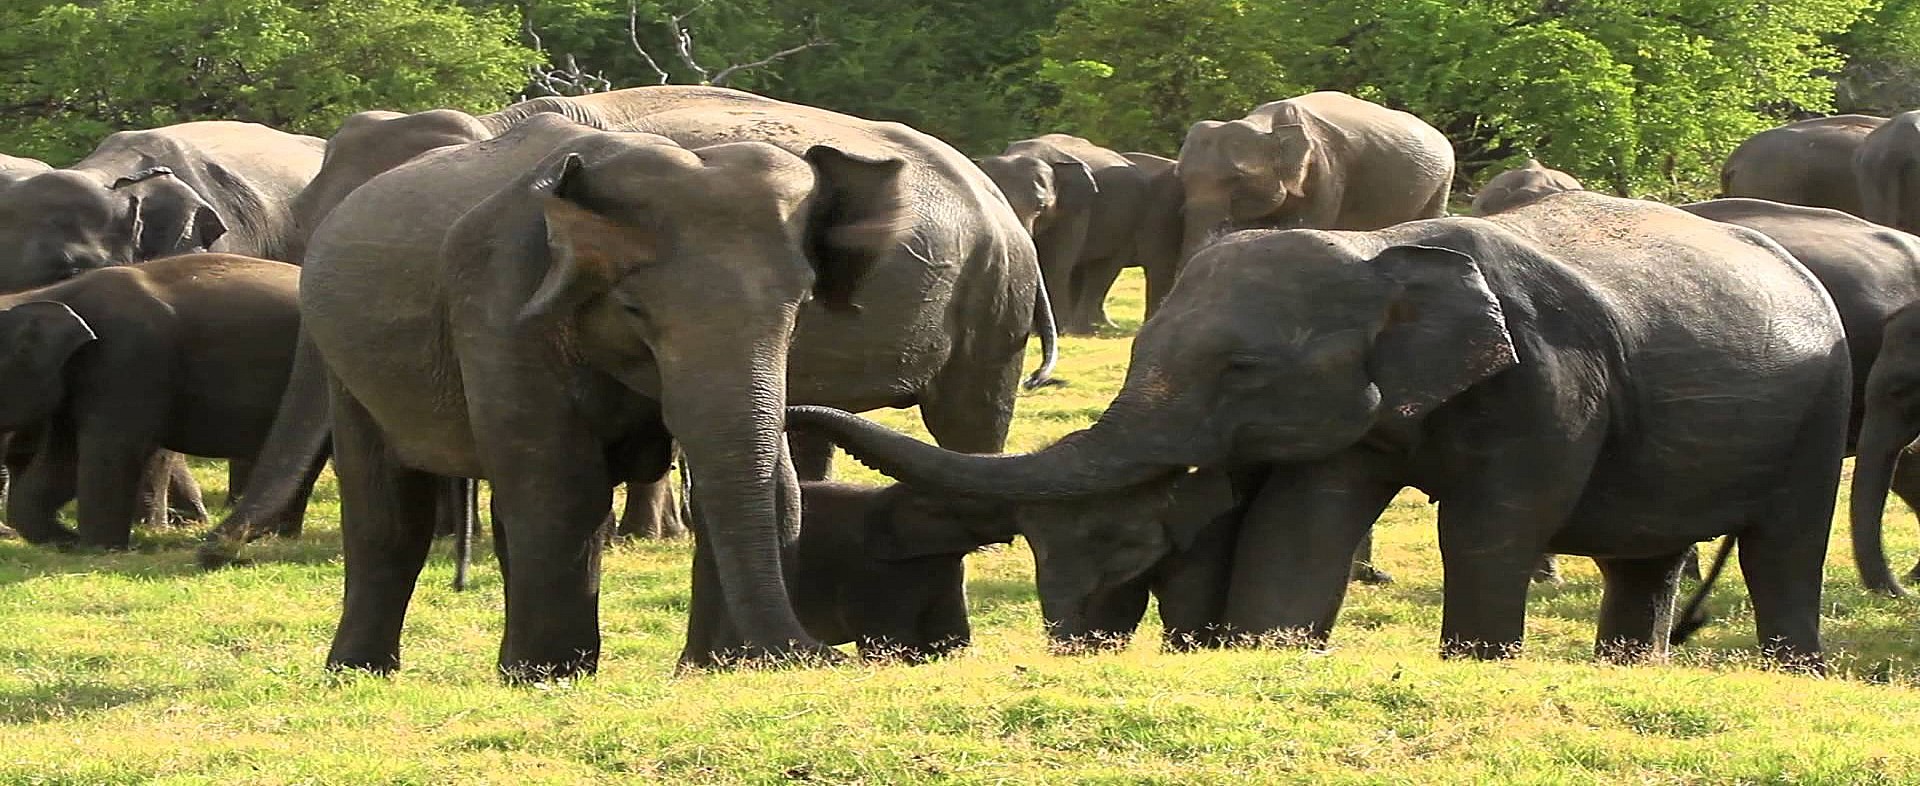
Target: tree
[[70, 74], [1644, 96]]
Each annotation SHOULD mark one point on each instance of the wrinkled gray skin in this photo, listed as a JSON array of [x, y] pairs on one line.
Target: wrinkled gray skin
[[1516, 187], [589, 267], [882, 567], [1323, 160], [188, 353], [15, 167], [1086, 207], [1887, 435], [140, 195], [1887, 167], [1582, 375], [1809, 162]]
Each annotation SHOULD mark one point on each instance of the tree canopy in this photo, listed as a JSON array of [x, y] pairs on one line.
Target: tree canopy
[[1640, 96]]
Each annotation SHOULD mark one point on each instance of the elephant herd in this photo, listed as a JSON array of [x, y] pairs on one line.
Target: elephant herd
[[576, 293]]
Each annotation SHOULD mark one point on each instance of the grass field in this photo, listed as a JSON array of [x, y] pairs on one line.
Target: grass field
[[139, 668]]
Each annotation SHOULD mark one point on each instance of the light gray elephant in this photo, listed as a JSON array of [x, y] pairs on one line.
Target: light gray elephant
[[616, 288], [216, 185], [1809, 162], [15, 167], [1887, 167], [1087, 208], [1323, 160], [1516, 187]]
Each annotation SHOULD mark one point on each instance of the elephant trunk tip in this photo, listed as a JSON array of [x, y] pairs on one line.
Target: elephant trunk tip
[[1042, 378]]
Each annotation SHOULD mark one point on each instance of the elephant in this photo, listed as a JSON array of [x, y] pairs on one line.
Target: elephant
[[1809, 162], [16, 167], [615, 288], [202, 186], [1323, 160], [187, 353], [1516, 187], [1085, 206], [1885, 460], [882, 567], [1548, 374], [1887, 168]]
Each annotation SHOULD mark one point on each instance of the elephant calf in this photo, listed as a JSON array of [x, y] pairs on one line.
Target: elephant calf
[[881, 567], [187, 353]]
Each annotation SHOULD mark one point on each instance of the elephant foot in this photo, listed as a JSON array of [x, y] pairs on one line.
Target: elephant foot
[[215, 553], [379, 665], [1089, 644], [1366, 573], [1547, 571], [1462, 649]]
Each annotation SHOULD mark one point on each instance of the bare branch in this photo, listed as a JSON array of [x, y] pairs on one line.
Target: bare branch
[[683, 41], [633, 37], [720, 79], [569, 80]]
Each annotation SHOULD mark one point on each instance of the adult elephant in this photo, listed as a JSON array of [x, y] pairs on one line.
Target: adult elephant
[[16, 167], [214, 185], [1323, 160], [1085, 206], [1887, 168], [615, 288], [1516, 187], [1887, 434], [1809, 162], [1548, 374]]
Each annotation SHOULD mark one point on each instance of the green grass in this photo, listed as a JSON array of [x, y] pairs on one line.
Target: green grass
[[136, 668]]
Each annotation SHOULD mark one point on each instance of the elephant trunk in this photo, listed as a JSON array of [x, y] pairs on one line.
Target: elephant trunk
[[729, 424], [1049, 330], [1881, 444], [1088, 463], [1198, 226]]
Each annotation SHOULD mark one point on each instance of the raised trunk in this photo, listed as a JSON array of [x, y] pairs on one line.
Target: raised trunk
[[1091, 462], [729, 424], [1881, 443]]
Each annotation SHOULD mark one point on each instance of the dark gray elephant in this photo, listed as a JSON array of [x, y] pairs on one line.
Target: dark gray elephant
[[188, 353], [883, 567], [1886, 461], [1809, 162], [616, 288], [1887, 168], [140, 195], [1516, 187], [1085, 206], [1547, 374], [1323, 160]]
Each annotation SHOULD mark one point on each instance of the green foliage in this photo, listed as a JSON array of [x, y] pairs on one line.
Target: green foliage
[[70, 74], [1882, 75], [1642, 95]]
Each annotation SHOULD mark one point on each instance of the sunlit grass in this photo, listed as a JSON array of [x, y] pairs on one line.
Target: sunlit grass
[[140, 668]]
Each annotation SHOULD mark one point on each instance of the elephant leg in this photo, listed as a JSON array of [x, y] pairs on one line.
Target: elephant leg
[[1547, 570], [185, 503], [1160, 278], [651, 512], [155, 489], [1191, 587], [1636, 607], [1364, 570], [449, 507], [1296, 543], [44, 485], [386, 530], [812, 453], [1093, 281], [969, 406], [1107, 623], [1906, 485], [115, 463], [944, 628], [239, 471]]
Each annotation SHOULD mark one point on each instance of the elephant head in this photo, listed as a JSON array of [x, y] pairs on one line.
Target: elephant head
[[1888, 429], [369, 143], [1043, 190], [681, 271], [1237, 175], [60, 223], [40, 337], [1516, 187], [1275, 347]]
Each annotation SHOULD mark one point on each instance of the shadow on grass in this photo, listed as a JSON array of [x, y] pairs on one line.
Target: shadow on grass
[[155, 554], [67, 697]]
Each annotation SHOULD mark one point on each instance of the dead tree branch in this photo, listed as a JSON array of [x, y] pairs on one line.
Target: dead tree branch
[[721, 78], [683, 41], [633, 37]]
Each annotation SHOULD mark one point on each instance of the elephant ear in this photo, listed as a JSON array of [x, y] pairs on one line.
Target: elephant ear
[[168, 217], [589, 251], [40, 337], [1073, 183], [1444, 330], [908, 524], [861, 211]]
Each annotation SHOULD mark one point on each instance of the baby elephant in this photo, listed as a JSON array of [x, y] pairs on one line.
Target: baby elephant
[[880, 566], [187, 353]]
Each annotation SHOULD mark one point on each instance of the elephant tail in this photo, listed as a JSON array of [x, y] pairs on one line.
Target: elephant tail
[[1049, 338], [289, 461], [1693, 616]]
